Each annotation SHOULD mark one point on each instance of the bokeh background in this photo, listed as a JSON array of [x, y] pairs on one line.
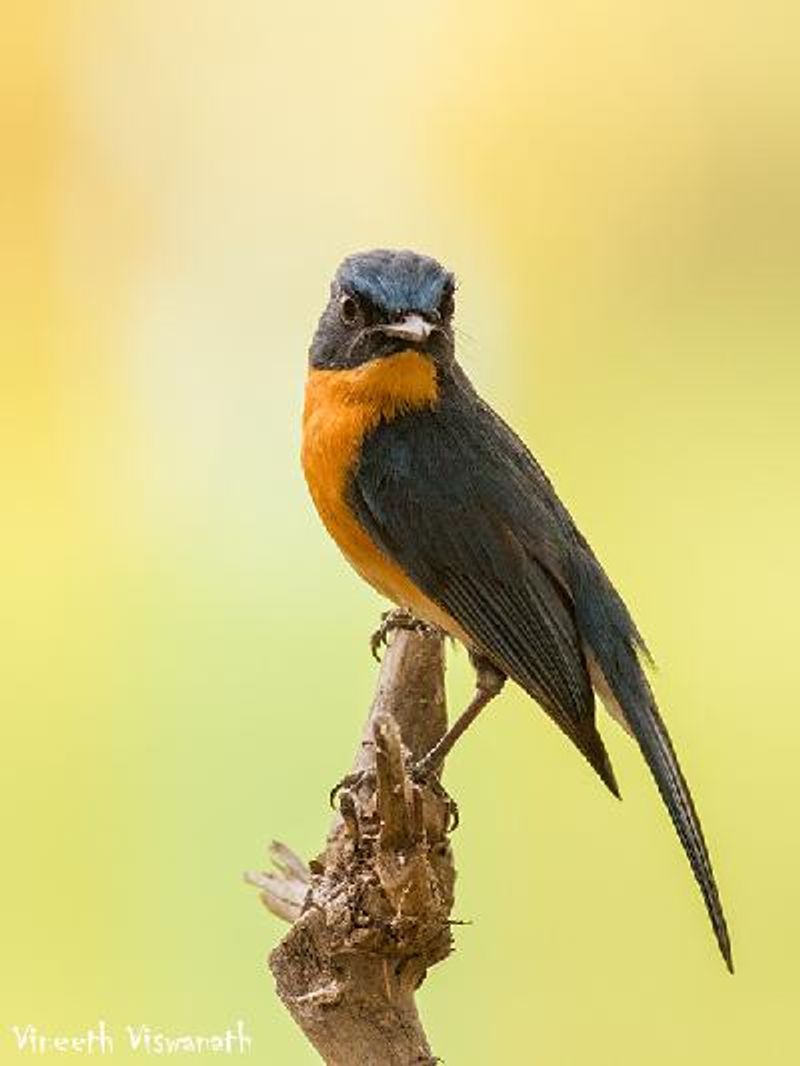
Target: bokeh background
[[184, 663]]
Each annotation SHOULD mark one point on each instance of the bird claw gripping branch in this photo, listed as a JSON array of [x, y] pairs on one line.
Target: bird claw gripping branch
[[399, 618]]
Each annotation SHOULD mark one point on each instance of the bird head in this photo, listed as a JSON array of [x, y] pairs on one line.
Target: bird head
[[383, 302]]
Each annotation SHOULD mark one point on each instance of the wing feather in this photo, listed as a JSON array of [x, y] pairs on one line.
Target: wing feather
[[435, 498], [457, 500]]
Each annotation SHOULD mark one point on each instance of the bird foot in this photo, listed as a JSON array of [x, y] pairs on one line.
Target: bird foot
[[399, 618], [422, 773], [351, 783], [426, 774]]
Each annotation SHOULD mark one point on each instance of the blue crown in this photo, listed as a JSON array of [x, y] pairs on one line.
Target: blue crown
[[395, 281]]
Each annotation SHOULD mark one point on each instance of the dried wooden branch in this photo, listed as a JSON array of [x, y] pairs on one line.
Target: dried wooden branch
[[371, 914]]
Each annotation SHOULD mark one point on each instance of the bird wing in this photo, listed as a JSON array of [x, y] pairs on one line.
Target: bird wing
[[459, 503], [443, 501]]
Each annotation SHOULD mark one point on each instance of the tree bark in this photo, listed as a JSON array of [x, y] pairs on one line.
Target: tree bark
[[370, 915]]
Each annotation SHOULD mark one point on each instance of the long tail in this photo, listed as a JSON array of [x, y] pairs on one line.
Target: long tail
[[614, 641], [656, 746]]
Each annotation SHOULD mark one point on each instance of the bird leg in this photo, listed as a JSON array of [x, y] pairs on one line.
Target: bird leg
[[488, 683], [399, 618]]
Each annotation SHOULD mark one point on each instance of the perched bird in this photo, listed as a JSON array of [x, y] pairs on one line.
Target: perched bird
[[439, 505]]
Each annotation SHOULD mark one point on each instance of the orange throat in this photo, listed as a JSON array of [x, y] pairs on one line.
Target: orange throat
[[341, 408]]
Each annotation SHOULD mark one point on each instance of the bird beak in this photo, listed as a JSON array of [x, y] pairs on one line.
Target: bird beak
[[412, 328]]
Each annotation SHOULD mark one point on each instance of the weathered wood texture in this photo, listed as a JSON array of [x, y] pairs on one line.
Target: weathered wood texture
[[371, 914]]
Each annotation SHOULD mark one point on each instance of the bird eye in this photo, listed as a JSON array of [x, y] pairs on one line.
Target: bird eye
[[348, 310], [447, 305]]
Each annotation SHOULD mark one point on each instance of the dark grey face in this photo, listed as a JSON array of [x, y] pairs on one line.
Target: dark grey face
[[384, 302]]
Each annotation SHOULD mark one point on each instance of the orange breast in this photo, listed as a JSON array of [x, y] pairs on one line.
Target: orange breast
[[341, 407]]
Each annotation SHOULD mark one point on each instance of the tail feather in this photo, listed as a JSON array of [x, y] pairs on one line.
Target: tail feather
[[613, 640], [657, 749]]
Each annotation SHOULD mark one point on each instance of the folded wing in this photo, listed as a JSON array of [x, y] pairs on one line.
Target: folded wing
[[457, 500], [434, 496]]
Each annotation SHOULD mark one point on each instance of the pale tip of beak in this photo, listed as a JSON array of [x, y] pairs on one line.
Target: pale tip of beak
[[411, 328]]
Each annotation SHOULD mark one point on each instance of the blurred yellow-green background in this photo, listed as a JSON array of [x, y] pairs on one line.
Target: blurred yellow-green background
[[183, 654]]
